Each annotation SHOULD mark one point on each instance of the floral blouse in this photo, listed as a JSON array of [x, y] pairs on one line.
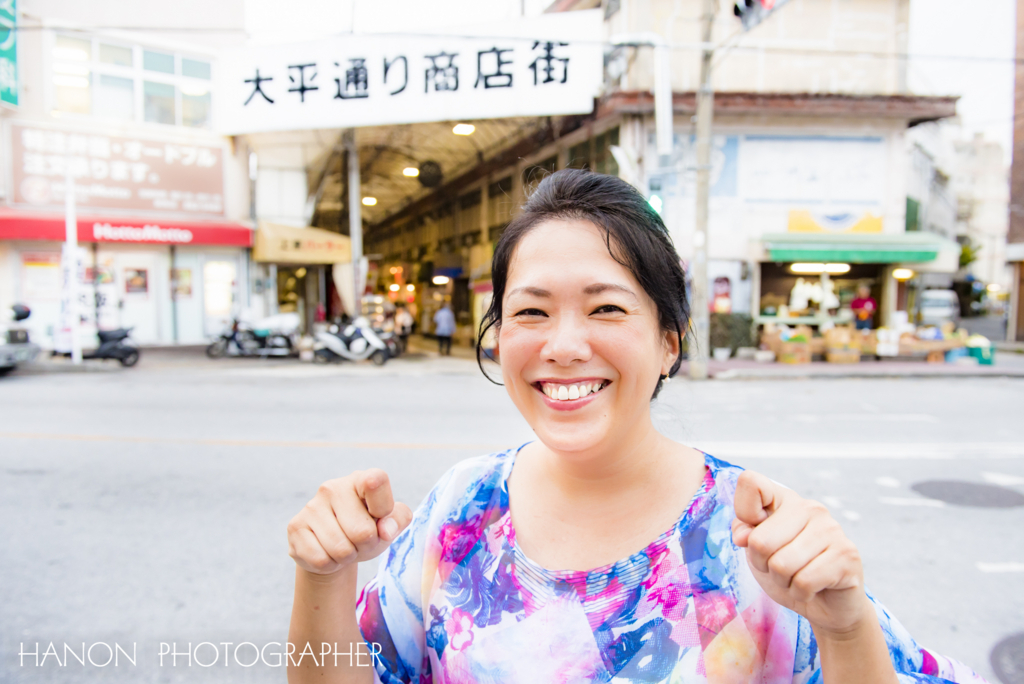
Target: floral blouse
[[456, 601]]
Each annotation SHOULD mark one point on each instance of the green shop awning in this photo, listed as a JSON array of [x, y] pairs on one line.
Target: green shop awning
[[856, 248]]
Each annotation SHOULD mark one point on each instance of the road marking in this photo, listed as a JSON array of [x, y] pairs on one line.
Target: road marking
[[873, 417], [900, 501], [248, 442], [1002, 479], [887, 482], [862, 450], [1000, 567]]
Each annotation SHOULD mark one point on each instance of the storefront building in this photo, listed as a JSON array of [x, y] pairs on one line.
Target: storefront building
[[172, 282], [161, 200]]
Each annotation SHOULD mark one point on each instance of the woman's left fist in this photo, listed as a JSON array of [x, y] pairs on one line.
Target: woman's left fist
[[799, 555]]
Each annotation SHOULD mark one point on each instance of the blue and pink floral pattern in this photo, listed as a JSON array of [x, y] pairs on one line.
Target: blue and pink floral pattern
[[455, 601]]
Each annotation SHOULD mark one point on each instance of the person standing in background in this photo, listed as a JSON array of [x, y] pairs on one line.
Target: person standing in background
[[403, 326], [864, 307], [444, 322]]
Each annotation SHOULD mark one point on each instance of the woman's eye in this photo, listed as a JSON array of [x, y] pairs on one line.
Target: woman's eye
[[609, 308], [531, 312]]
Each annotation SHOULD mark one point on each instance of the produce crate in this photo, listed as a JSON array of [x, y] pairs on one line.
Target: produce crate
[[794, 352], [843, 356]]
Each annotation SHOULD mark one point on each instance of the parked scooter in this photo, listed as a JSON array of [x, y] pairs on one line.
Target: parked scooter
[[113, 346], [272, 336], [355, 342], [390, 341]]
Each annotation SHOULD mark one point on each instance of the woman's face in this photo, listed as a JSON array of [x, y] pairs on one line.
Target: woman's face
[[581, 348]]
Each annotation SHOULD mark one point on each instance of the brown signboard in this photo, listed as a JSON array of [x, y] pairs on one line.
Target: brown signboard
[[115, 172], [279, 244]]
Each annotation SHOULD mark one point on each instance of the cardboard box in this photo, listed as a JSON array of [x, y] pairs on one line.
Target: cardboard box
[[794, 352], [843, 356]]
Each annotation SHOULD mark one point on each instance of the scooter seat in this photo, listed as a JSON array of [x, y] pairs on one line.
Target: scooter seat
[[114, 335]]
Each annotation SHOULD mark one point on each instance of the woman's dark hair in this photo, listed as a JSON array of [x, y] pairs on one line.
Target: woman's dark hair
[[634, 233]]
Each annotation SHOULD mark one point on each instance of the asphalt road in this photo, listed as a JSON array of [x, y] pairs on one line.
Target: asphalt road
[[149, 506]]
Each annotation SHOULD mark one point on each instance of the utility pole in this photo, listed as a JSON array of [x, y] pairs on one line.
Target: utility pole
[[699, 332], [355, 219]]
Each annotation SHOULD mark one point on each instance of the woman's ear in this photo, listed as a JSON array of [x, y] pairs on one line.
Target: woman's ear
[[670, 340]]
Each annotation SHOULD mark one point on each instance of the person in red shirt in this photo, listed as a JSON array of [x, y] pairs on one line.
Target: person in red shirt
[[864, 306]]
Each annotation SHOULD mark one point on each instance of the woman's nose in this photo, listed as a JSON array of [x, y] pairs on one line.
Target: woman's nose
[[568, 342]]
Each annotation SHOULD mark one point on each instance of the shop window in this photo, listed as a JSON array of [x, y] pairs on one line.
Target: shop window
[[579, 156], [494, 232], [195, 108], [93, 77], [194, 68], [72, 76], [471, 199], [913, 214], [115, 97], [117, 55], [161, 62], [535, 173], [596, 154], [158, 102], [500, 187], [603, 161], [470, 239]]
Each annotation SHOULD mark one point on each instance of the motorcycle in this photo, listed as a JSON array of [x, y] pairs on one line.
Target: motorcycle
[[355, 342], [272, 336]]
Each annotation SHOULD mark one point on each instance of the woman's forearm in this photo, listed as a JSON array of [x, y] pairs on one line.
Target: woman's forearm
[[859, 656], [324, 612]]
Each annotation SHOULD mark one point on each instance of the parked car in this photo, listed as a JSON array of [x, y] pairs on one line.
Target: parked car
[[938, 307], [15, 346]]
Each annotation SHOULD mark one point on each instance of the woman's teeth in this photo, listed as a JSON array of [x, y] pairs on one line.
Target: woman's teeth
[[571, 392]]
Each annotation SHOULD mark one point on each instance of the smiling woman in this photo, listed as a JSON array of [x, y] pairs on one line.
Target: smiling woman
[[603, 551]]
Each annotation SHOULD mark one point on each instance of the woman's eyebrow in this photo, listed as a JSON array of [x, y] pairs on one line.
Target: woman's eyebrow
[[535, 291], [598, 288]]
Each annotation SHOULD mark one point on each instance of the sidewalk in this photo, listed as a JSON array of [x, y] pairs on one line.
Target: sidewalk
[[1005, 365]]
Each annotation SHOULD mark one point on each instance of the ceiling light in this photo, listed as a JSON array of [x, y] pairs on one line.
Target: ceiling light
[[811, 269], [440, 280], [369, 201], [818, 269], [410, 287], [902, 274], [410, 172], [463, 129], [394, 287]]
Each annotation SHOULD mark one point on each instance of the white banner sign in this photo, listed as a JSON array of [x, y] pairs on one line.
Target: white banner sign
[[549, 65]]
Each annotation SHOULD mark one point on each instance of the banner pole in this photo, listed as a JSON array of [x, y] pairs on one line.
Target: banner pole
[[71, 263]]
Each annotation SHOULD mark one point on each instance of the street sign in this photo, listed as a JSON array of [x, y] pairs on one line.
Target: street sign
[[9, 52], [549, 65]]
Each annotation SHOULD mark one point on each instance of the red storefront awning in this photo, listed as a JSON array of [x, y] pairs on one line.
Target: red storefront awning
[[25, 225]]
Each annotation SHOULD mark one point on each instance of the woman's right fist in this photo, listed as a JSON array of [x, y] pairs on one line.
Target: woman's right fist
[[351, 519]]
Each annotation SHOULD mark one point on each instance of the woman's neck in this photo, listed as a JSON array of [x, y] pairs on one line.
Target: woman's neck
[[628, 464]]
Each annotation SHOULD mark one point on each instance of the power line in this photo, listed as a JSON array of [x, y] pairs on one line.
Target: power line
[[679, 47]]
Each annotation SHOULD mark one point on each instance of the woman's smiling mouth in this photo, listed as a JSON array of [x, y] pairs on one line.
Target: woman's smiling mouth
[[569, 394]]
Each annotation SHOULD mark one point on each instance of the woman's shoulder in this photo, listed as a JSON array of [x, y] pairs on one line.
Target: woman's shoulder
[[724, 475], [470, 486]]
